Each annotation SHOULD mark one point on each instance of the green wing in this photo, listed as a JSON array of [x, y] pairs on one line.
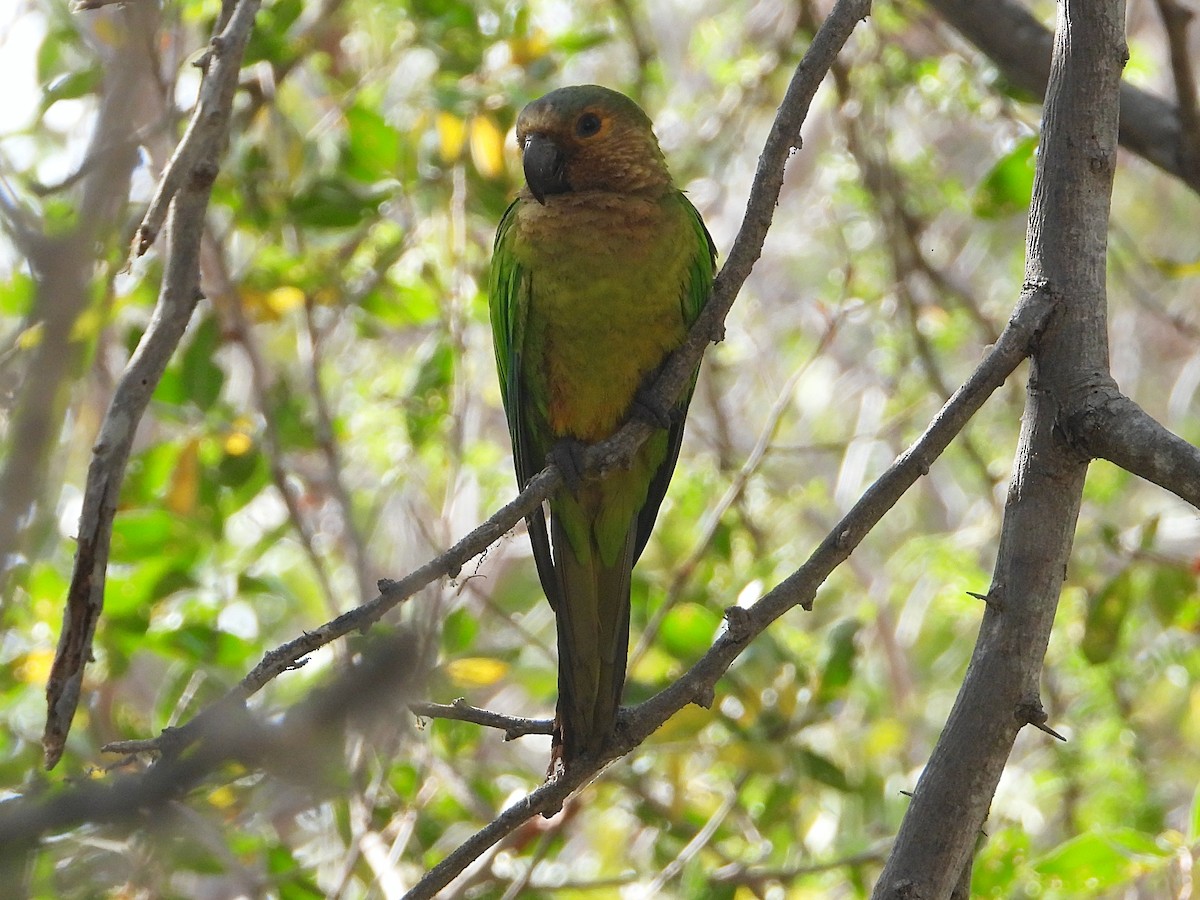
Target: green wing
[[694, 295], [508, 302]]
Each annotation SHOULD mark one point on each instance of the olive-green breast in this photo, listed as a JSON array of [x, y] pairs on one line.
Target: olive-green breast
[[605, 303]]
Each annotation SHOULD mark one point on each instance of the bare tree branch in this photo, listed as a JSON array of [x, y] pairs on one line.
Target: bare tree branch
[[460, 711], [231, 308], [293, 746], [738, 873], [1176, 18], [206, 137], [1067, 249], [1020, 45], [616, 451], [697, 685], [62, 267], [1111, 426], [207, 132]]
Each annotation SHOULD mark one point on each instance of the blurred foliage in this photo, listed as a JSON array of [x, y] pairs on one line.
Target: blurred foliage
[[343, 357]]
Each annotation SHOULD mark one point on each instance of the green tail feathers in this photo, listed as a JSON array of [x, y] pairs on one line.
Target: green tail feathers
[[600, 267], [592, 614]]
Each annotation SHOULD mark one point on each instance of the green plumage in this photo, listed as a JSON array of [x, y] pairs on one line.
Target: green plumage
[[600, 266]]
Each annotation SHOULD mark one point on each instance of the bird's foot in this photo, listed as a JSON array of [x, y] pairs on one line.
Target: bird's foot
[[568, 454], [649, 408]]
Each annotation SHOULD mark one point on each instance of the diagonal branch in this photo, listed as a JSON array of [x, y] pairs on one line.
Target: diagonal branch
[[205, 141], [294, 746], [698, 684], [619, 449]]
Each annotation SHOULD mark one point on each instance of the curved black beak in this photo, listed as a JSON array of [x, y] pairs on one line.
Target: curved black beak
[[545, 167]]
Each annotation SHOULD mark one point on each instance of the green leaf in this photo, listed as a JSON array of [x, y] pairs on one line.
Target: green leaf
[[201, 379], [1170, 590], [1100, 860], [824, 770], [688, 630], [1106, 611], [1008, 187], [71, 86], [372, 150], [142, 533], [458, 631], [428, 400], [17, 295], [838, 665], [331, 202], [271, 40], [412, 304]]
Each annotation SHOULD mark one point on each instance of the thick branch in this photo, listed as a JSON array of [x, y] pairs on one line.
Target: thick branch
[[1111, 426], [207, 135], [1020, 47], [1066, 259]]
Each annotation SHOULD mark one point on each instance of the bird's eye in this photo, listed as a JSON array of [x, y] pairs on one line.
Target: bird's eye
[[588, 125]]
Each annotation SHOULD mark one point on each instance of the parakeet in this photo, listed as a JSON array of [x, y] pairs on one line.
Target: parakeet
[[600, 266]]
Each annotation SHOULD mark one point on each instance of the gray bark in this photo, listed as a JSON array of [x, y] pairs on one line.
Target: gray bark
[[1065, 261]]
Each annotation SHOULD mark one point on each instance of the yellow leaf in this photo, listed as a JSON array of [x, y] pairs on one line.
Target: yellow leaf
[[222, 797], [452, 132], [476, 671], [31, 336], [487, 147], [1174, 269], [238, 443], [272, 305], [105, 30], [284, 299], [185, 480], [87, 326], [35, 667], [255, 303], [529, 48]]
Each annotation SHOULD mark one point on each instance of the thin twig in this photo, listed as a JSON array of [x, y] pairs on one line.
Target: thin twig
[[697, 843], [228, 301], [208, 130], [615, 452], [88, 5], [698, 683], [739, 873], [331, 451], [460, 711], [207, 135], [386, 674], [711, 523]]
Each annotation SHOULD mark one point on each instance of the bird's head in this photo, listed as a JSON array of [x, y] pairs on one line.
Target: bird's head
[[589, 138]]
